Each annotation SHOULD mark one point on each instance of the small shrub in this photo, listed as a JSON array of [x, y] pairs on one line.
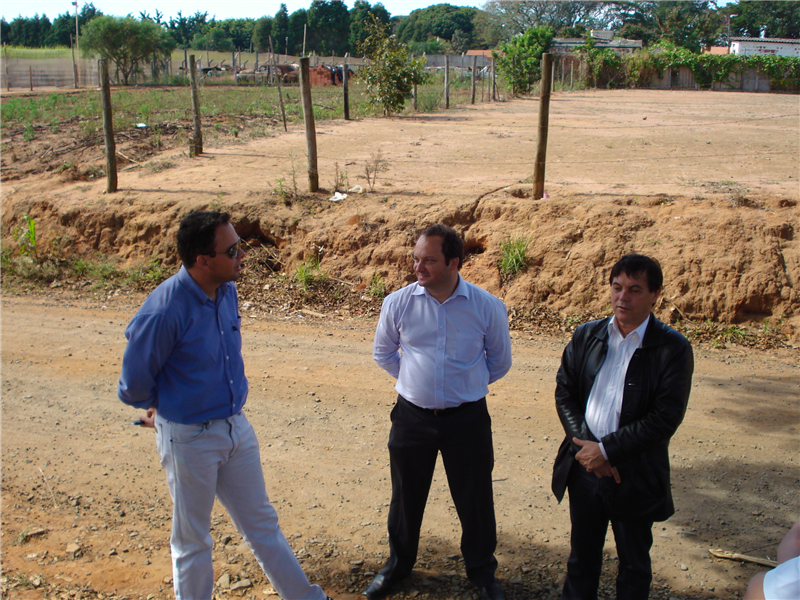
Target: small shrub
[[376, 164], [309, 273], [377, 286], [25, 236], [148, 275], [340, 180]]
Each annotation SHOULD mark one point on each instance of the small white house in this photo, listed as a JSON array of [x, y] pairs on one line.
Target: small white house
[[745, 46]]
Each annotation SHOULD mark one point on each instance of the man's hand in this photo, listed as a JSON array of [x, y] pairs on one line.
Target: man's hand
[[591, 458], [149, 420]]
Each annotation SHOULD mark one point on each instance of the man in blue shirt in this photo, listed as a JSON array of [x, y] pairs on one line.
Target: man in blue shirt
[[445, 340], [183, 365]]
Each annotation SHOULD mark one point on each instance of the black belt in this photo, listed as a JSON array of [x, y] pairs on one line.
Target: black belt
[[441, 412]]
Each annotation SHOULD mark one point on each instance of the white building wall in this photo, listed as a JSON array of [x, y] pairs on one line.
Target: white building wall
[[764, 47]]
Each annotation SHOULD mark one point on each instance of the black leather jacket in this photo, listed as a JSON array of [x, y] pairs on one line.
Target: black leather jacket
[[657, 386]]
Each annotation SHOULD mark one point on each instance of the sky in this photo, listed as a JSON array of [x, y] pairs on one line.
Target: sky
[[11, 9]]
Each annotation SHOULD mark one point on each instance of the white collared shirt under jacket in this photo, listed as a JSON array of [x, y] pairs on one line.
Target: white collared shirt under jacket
[[443, 354], [604, 405]]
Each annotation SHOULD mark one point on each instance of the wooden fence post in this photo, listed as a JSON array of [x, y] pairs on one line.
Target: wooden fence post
[[74, 66], [494, 84], [544, 117], [447, 81], [278, 76], [344, 89], [414, 87], [5, 63], [474, 75], [108, 129], [311, 132], [196, 143], [30, 77]]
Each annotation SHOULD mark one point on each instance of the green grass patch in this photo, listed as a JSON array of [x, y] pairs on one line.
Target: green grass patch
[[29, 53], [101, 271], [513, 255], [309, 273]]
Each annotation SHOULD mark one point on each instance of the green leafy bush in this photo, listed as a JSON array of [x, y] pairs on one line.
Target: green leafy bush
[[520, 61]]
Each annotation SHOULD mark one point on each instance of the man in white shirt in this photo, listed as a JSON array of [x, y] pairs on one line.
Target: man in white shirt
[[445, 340], [621, 393]]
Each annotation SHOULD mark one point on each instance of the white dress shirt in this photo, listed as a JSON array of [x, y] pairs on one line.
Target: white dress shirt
[[605, 400], [443, 354]]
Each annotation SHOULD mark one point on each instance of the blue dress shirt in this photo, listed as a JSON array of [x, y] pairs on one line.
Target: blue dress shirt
[[184, 353], [443, 354]]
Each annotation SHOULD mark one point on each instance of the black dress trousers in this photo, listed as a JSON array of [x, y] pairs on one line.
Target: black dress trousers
[[464, 437]]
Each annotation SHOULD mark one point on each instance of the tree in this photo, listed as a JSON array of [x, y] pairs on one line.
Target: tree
[[460, 42], [213, 37], [487, 32], [562, 17], [126, 42], [360, 15], [183, 29], [437, 21], [280, 28], [262, 30], [4, 28], [297, 21], [773, 19], [520, 61], [31, 32], [689, 25], [240, 31], [63, 29], [328, 27], [392, 73]]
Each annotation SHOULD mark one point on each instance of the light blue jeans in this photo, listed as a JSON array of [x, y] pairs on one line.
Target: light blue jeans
[[221, 458]]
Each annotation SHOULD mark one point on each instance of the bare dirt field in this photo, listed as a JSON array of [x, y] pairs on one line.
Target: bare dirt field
[[706, 182]]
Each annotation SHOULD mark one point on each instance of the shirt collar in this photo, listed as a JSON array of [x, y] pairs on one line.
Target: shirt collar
[[613, 328], [190, 284], [462, 289]]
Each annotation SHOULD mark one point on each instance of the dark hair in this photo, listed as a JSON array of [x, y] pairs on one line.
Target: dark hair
[[633, 265], [452, 244], [196, 234]]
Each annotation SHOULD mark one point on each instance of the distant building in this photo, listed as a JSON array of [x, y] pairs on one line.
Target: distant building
[[715, 50], [745, 46], [602, 39]]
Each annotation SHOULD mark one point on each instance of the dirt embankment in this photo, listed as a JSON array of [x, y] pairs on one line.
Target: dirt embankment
[[734, 264]]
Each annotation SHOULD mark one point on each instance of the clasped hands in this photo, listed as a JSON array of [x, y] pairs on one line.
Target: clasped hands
[[591, 458]]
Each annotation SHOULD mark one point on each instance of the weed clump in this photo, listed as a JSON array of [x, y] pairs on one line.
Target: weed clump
[[513, 256]]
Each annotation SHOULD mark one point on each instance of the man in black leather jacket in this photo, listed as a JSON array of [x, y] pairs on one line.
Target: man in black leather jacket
[[622, 391]]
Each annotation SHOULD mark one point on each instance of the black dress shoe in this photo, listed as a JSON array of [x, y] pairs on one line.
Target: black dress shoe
[[492, 592], [378, 588]]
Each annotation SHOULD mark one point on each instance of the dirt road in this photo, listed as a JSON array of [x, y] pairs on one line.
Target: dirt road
[[86, 513]]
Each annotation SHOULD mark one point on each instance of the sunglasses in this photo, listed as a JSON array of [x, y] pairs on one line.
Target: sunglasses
[[232, 252]]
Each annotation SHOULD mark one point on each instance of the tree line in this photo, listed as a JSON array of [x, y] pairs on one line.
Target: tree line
[[327, 27]]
